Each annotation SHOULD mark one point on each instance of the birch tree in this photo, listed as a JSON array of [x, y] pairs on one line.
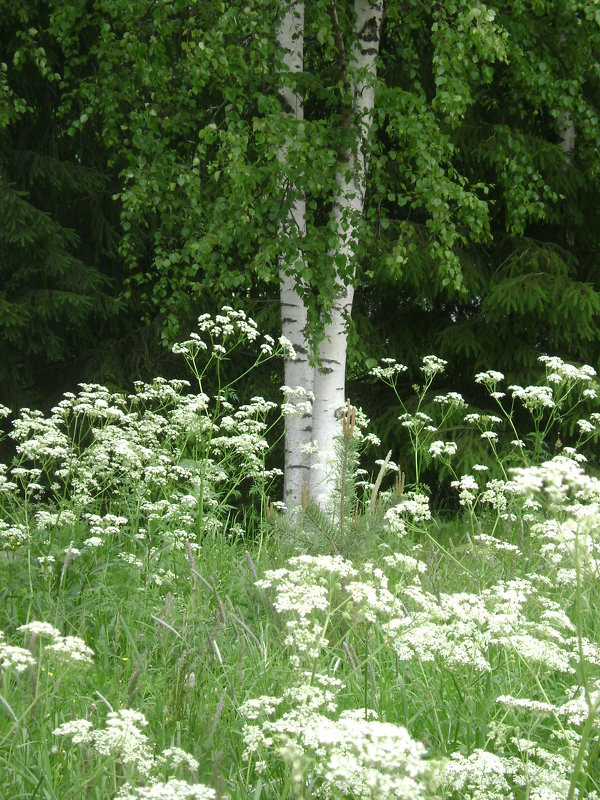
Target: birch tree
[[298, 373], [358, 80], [309, 438], [306, 466]]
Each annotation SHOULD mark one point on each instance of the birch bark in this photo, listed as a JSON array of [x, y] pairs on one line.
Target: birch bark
[[567, 136], [348, 204], [298, 374]]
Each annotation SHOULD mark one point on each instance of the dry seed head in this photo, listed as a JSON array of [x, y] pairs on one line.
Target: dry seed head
[[68, 556], [304, 497], [191, 559], [269, 508], [400, 481], [251, 566], [349, 421]]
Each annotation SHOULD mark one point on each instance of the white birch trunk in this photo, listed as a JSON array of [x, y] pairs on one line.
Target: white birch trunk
[[348, 204], [297, 373], [567, 136]]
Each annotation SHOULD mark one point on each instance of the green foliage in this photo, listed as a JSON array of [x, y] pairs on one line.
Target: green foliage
[[49, 296], [188, 108], [528, 284]]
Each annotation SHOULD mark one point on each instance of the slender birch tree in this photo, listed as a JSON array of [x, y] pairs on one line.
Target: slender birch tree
[[309, 439], [298, 373], [358, 79]]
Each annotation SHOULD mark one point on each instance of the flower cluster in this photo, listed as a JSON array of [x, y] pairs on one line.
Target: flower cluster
[[459, 629], [417, 422], [67, 649], [558, 479], [175, 456], [123, 739], [439, 449], [468, 488], [172, 789], [302, 590], [388, 370], [413, 508], [534, 398], [558, 371], [453, 400], [226, 331], [314, 586], [297, 401], [432, 366], [17, 658], [489, 379], [351, 751]]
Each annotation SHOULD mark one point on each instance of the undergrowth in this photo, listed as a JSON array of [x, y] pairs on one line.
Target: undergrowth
[[371, 649]]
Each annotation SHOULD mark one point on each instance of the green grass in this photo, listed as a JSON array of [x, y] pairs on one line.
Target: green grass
[[150, 640]]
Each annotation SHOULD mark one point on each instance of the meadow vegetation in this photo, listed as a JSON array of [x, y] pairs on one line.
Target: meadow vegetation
[[167, 632]]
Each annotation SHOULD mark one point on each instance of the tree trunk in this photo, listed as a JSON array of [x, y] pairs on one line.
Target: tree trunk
[[348, 204], [567, 136], [298, 374]]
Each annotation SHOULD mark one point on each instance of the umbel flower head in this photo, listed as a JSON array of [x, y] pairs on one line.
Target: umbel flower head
[[352, 752], [66, 648], [122, 737], [173, 789]]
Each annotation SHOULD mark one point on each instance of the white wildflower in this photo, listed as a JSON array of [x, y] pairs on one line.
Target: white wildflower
[[71, 648], [258, 706], [78, 730], [36, 628], [405, 562], [93, 542], [413, 505], [432, 365], [497, 544], [390, 466], [439, 449], [489, 378], [172, 789], [388, 370], [452, 399], [467, 486], [123, 739], [534, 398], [16, 658], [585, 426], [176, 757], [561, 371], [287, 348], [478, 776], [526, 703]]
